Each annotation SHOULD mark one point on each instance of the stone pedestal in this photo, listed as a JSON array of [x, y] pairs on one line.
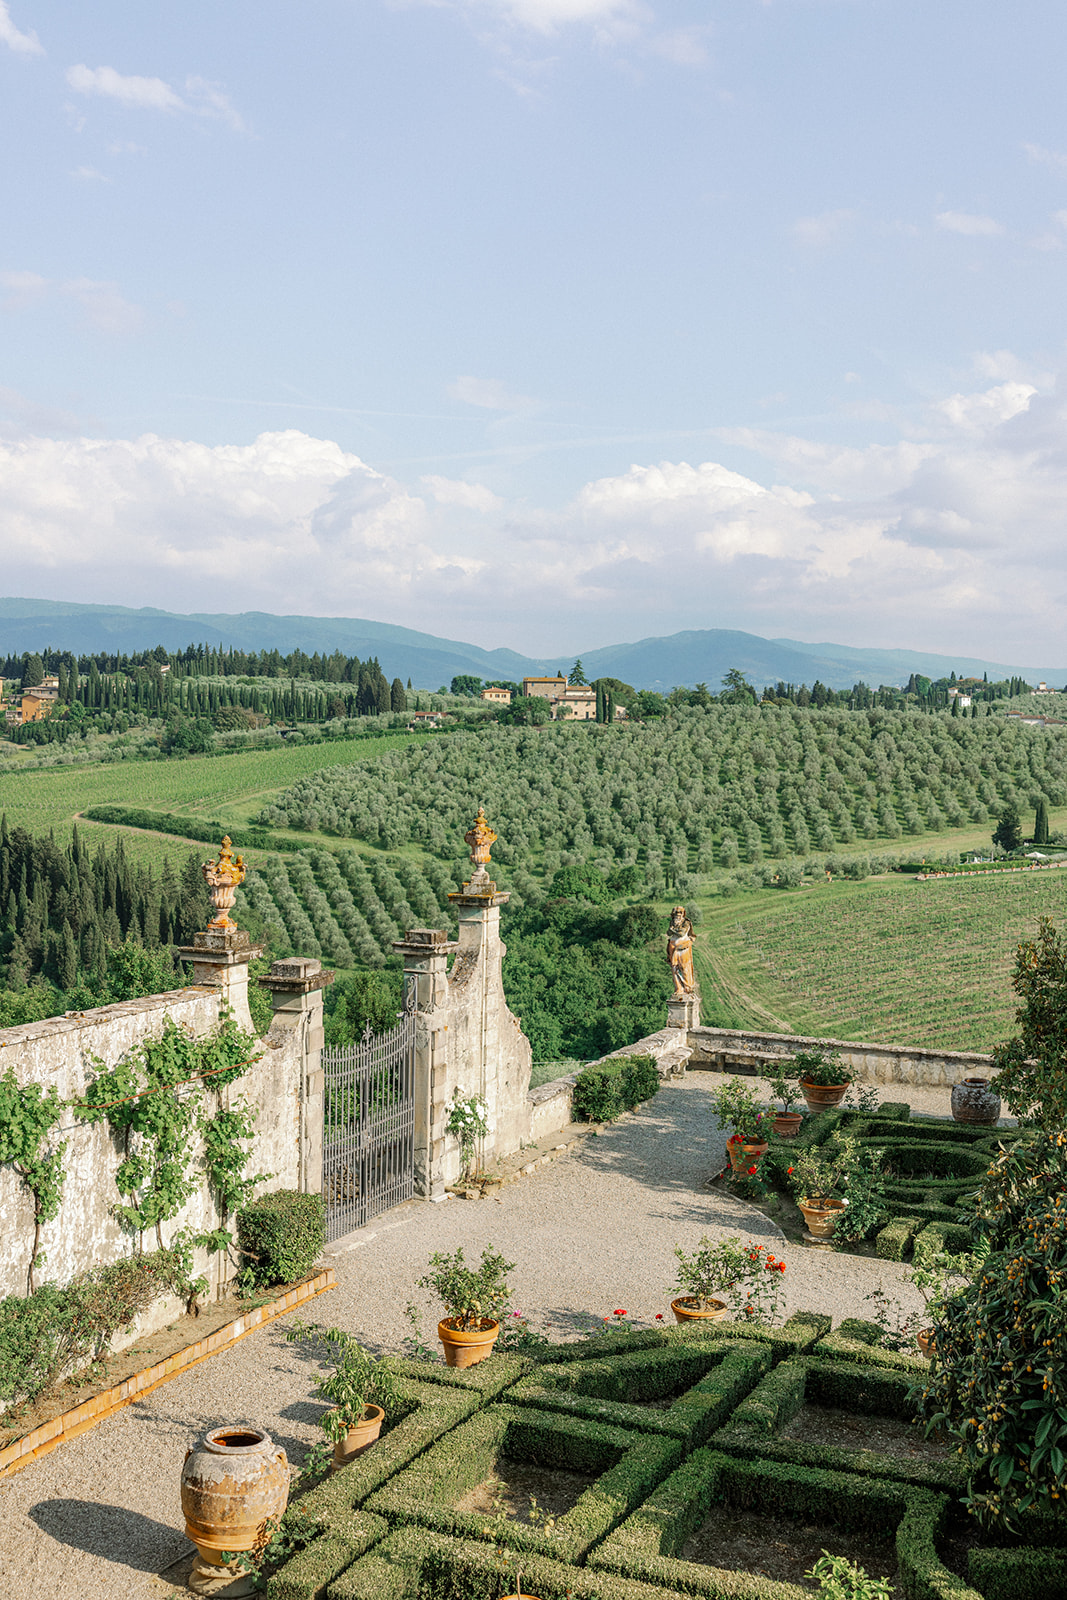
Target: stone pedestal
[[296, 988], [220, 960], [683, 1011], [425, 952]]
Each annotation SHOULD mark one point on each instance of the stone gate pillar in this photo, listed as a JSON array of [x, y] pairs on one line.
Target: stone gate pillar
[[296, 988], [425, 952]]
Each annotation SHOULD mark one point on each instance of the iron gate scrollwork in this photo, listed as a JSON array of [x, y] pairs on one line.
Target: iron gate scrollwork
[[368, 1135]]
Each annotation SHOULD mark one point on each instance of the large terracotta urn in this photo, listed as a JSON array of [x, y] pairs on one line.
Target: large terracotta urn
[[463, 1349], [823, 1096], [821, 1216], [973, 1100], [234, 1482]]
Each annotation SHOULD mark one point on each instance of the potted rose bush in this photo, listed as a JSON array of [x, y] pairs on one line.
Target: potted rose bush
[[817, 1178], [748, 1275], [474, 1298], [736, 1107]]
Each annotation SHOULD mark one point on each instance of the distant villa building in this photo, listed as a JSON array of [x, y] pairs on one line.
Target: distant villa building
[[545, 688], [497, 697], [32, 704], [576, 703]]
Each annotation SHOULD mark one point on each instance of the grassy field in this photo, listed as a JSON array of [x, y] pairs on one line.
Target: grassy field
[[889, 960], [233, 787]]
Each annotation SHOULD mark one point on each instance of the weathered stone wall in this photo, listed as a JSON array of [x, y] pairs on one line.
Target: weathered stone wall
[[60, 1051], [870, 1063], [551, 1106]]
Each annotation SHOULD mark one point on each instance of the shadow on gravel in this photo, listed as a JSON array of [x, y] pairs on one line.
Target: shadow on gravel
[[114, 1532]]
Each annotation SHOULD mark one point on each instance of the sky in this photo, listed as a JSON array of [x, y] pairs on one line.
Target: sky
[[541, 323]]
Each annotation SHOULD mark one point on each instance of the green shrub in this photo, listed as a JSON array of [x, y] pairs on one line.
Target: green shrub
[[894, 1240], [1019, 1574], [608, 1088], [628, 1466], [618, 1389], [281, 1236]]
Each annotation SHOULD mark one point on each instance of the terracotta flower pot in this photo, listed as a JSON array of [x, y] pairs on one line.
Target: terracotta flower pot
[[464, 1349], [744, 1152], [823, 1096], [787, 1124], [685, 1310], [822, 1218], [358, 1438], [973, 1100], [925, 1341], [233, 1482]]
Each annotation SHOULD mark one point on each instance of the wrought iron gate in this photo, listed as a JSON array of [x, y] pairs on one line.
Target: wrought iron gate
[[368, 1135]]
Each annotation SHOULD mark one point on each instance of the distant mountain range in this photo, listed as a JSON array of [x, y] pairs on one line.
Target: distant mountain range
[[696, 656]]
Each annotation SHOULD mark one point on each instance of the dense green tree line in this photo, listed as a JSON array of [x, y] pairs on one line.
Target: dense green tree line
[[66, 910]]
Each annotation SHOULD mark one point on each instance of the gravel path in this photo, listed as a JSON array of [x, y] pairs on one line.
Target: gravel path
[[594, 1231]]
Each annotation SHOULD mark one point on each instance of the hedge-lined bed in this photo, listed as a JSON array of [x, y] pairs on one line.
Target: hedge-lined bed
[[389, 1527], [724, 1375], [627, 1465], [756, 1424]]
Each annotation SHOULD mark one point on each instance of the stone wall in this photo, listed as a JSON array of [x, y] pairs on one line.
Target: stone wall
[[870, 1063], [283, 1086], [551, 1106]]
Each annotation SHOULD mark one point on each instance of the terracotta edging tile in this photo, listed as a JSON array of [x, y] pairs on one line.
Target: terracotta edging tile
[[86, 1415]]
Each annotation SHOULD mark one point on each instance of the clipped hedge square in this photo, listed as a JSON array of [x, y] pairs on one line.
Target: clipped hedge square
[[797, 1334], [415, 1564], [628, 1465], [861, 1342], [485, 1379], [612, 1388], [756, 1426], [644, 1546], [306, 1575]]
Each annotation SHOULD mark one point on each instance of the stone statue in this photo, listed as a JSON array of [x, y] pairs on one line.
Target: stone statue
[[223, 878], [680, 954]]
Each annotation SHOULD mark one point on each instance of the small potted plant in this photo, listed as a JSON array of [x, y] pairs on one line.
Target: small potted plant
[[735, 1107], [937, 1274], [361, 1386], [747, 1274], [787, 1122], [473, 1299], [824, 1078], [817, 1177]]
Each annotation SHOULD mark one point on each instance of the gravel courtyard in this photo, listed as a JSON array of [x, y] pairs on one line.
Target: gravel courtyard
[[594, 1231]]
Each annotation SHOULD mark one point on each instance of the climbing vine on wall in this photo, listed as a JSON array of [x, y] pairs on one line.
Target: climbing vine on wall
[[157, 1099], [27, 1117]]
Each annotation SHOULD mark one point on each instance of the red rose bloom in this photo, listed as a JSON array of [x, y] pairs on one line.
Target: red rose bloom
[[751, 1170]]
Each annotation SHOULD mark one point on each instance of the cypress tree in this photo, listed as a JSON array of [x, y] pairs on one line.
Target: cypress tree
[[67, 958], [1041, 822]]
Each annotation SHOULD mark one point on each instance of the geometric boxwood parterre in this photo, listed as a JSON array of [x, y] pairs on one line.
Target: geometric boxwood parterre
[[389, 1529], [644, 1545], [628, 1466], [718, 1375], [754, 1429]]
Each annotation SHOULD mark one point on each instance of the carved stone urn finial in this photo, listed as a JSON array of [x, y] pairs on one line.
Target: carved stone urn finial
[[481, 839], [223, 878]]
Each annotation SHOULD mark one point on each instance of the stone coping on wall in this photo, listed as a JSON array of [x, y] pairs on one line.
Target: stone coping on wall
[[874, 1063], [78, 1021], [69, 1424]]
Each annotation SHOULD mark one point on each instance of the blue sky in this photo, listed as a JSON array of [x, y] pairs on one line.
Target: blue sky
[[544, 323]]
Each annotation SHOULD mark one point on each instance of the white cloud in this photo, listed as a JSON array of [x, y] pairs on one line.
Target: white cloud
[[456, 492], [972, 227], [103, 306], [489, 393], [827, 228], [548, 16], [955, 537], [26, 44], [1046, 158], [23, 289], [146, 94], [202, 98], [90, 175]]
